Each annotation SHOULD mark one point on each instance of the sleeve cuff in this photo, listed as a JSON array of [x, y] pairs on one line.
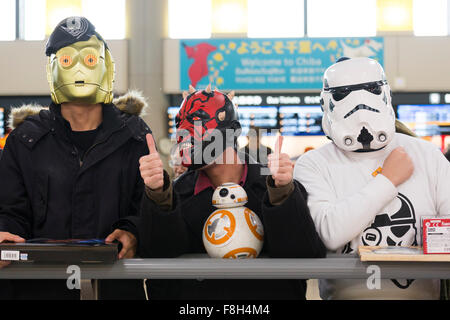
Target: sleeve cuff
[[277, 195], [127, 225], [162, 198]]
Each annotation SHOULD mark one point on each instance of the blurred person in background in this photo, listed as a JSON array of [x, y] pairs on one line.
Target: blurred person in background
[[447, 153], [175, 162], [255, 149], [3, 142]]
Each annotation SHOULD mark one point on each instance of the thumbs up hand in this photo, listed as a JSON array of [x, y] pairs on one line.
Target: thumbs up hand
[[151, 167], [280, 165]]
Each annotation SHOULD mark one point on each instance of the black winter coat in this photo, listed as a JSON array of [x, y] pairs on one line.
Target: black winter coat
[[48, 191], [289, 233]]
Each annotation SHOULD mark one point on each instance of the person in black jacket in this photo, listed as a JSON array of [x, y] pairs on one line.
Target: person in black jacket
[[71, 171], [173, 214], [447, 154]]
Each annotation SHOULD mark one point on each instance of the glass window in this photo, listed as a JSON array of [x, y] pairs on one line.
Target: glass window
[[229, 16], [281, 18], [395, 15], [430, 17], [108, 17], [34, 19], [57, 10], [42, 16], [7, 20], [198, 27], [344, 18]]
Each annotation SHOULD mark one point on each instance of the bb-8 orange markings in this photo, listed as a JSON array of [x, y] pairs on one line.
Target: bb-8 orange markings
[[241, 253], [219, 234]]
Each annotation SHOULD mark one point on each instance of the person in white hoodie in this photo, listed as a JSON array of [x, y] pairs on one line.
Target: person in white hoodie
[[370, 185]]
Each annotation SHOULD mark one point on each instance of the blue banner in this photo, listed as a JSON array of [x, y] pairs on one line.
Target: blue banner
[[264, 64]]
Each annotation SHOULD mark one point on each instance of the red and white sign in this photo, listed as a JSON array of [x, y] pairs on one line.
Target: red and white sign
[[436, 235]]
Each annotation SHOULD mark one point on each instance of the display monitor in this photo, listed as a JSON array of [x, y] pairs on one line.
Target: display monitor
[[262, 117], [301, 120], [426, 120], [171, 114]]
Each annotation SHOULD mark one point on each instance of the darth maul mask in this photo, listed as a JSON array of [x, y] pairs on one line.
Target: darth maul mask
[[207, 124]]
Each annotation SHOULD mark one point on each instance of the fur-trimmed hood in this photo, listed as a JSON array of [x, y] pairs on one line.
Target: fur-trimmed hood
[[133, 102]]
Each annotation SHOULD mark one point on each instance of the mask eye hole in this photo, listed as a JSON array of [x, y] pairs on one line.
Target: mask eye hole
[[375, 90], [90, 60], [65, 61], [341, 94], [199, 115]]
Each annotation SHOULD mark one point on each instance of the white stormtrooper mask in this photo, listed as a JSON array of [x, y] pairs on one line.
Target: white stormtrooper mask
[[356, 101]]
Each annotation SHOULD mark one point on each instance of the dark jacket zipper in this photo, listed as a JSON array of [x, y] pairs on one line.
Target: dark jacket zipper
[[96, 144]]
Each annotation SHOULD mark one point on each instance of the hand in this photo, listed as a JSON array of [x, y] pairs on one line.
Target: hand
[[280, 165], [9, 237], [128, 241], [151, 167], [398, 166]]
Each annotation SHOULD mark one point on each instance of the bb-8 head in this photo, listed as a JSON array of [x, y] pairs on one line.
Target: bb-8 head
[[232, 231], [229, 195]]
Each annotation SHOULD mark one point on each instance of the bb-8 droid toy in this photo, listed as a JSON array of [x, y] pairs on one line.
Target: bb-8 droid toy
[[232, 231]]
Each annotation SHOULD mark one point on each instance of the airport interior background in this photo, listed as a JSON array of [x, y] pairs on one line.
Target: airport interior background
[[271, 53]]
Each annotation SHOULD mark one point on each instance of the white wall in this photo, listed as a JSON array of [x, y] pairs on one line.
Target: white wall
[[23, 63], [423, 63]]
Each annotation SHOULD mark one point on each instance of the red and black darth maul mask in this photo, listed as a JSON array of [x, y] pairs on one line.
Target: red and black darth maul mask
[[202, 124]]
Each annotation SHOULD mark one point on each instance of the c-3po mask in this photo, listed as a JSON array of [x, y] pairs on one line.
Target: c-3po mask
[[81, 71]]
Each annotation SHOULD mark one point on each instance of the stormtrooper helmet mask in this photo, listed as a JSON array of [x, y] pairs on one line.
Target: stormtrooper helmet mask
[[357, 106]]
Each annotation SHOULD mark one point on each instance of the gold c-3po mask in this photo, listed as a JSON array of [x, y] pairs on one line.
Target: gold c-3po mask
[[82, 71]]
